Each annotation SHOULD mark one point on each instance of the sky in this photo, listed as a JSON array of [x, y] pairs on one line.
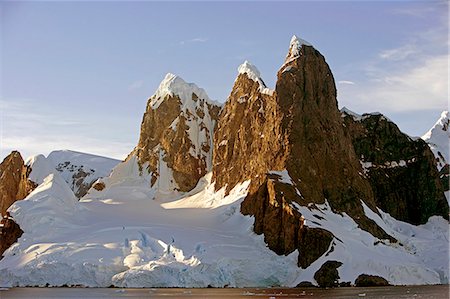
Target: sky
[[77, 75]]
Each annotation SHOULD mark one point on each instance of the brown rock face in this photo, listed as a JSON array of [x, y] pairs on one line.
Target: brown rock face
[[14, 185], [14, 182], [297, 128], [177, 131]]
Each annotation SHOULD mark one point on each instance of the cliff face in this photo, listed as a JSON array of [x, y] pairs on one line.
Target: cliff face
[[14, 185], [176, 134], [14, 182], [401, 171], [291, 144]]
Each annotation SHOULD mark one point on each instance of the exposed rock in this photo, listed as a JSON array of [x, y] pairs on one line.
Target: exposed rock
[[444, 176], [80, 170], [305, 284], [282, 225], [295, 128], [10, 232], [14, 182], [328, 276], [99, 186], [401, 171], [365, 280], [176, 134]]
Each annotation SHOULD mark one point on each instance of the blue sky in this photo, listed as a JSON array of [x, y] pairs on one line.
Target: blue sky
[[77, 75]]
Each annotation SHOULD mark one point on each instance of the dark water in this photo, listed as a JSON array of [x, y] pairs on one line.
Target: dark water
[[413, 292]]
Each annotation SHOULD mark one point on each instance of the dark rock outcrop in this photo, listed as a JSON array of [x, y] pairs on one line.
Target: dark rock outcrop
[[10, 232], [365, 280], [444, 176], [297, 128], [282, 224], [401, 171], [328, 276]]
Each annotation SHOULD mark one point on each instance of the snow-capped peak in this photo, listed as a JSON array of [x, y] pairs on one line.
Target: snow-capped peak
[[438, 137], [295, 47], [174, 85], [253, 73]]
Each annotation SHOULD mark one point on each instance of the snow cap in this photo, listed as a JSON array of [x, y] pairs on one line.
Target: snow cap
[[295, 46], [251, 71], [174, 85]]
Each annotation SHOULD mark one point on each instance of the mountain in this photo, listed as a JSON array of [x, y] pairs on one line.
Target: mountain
[[74, 171], [438, 137], [175, 143], [401, 171], [276, 188], [81, 170]]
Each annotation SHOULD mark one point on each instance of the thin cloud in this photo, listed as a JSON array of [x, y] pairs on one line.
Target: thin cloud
[[410, 78], [420, 87], [194, 40], [423, 11], [346, 82], [136, 85], [399, 53]]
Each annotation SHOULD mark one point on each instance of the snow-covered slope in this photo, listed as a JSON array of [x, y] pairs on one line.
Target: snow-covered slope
[[125, 237], [438, 137], [80, 170]]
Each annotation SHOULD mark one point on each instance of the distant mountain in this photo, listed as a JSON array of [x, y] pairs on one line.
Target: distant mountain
[[277, 187], [438, 137], [81, 170]]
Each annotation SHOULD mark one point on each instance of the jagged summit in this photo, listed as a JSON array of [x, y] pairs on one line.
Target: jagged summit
[[438, 138], [295, 47], [253, 73], [173, 85], [441, 125]]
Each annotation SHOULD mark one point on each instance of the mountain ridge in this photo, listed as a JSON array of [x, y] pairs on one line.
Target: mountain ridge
[[266, 190]]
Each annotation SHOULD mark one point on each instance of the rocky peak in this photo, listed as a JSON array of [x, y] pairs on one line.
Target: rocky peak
[[438, 138], [175, 142], [253, 73], [14, 182], [295, 48], [296, 130]]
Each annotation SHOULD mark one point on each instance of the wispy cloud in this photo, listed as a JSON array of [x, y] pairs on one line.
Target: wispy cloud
[[194, 40], [419, 87], [412, 77], [399, 53], [346, 82], [136, 85], [424, 9]]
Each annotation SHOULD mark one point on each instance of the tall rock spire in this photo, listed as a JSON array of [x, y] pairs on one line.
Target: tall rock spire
[[296, 132]]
